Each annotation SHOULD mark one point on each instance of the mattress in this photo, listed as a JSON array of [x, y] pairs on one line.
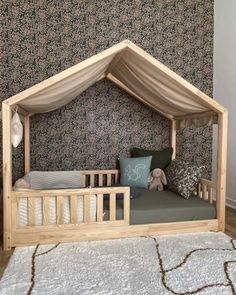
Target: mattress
[[165, 206]]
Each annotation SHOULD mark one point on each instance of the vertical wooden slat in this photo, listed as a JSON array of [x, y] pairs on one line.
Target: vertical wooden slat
[[15, 212], [60, 213], [73, 209], [127, 206], [210, 194], [27, 143], [205, 197], [100, 180], [7, 175], [86, 208], [116, 177], [99, 207], [46, 218], [199, 190], [92, 177], [109, 179], [112, 207], [173, 137], [31, 211], [221, 169]]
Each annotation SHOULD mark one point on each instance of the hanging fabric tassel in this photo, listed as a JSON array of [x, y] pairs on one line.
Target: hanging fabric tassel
[[16, 130]]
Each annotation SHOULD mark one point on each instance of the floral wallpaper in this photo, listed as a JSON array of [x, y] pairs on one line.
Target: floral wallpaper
[[41, 38]]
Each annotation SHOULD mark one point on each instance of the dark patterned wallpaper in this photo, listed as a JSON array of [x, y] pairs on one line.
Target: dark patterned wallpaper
[[41, 38]]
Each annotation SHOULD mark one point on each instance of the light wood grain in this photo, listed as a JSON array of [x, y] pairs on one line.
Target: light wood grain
[[73, 209], [46, 213], [199, 190], [31, 211], [117, 177], [127, 206], [109, 179], [60, 205], [7, 174], [112, 207], [205, 193], [206, 189], [67, 192], [86, 208], [210, 194], [207, 182], [221, 168], [100, 175], [15, 213], [92, 180], [30, 237], [100, 179], [99, 207]]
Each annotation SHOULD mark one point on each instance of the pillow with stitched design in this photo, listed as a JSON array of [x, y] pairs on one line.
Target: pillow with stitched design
[[135, 171]]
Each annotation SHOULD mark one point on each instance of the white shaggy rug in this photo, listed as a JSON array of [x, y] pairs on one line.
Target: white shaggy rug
[[183, 264]]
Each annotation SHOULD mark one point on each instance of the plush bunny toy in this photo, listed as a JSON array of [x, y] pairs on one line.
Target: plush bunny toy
[[157, 179]]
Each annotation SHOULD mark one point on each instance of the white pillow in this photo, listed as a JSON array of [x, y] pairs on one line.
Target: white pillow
[[21, 183], [16, 130]]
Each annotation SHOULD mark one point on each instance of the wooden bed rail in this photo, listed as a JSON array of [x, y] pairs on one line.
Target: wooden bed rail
[[44, 197], [90, 224], [99, 178], [206, 190]]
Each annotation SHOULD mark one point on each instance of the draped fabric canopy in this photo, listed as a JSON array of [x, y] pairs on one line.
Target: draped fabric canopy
[[136, 72]]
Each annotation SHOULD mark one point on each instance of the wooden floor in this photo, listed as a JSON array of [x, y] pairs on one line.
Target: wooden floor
[[230, 230], [231, 222]]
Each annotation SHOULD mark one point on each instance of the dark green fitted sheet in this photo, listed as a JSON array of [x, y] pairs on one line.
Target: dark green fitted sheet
[[165, 206]]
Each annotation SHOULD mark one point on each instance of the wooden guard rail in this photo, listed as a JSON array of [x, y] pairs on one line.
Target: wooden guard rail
[[100, 178], [206, 190], [59, 194]]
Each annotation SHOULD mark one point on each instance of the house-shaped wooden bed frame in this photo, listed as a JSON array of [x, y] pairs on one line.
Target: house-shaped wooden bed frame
[[149, 81]]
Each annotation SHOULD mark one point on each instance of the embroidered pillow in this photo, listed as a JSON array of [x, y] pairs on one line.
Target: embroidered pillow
[[183, 177], [135, 171]]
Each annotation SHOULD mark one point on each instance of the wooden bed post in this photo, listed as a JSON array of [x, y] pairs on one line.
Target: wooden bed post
[[221, 168], [173, 137], [7, 175], [27, 142]]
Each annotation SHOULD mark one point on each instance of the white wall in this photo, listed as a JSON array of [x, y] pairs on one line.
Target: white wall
[[224, 81]]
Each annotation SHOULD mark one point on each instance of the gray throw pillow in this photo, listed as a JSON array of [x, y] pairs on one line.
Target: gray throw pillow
[[183, 177], [135, 171]]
